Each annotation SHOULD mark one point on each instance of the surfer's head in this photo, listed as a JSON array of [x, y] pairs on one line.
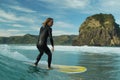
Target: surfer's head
[[48, 22]]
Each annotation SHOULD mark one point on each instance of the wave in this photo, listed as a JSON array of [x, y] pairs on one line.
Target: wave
[[92, 49], [24, 47], [5, 51], [76, 49]]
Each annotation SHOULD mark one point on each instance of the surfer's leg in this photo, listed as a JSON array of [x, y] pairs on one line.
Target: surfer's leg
[[39, 56], [48, 52]]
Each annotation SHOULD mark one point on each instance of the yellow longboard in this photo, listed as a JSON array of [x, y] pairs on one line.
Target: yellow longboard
[[70, 69], [62, 68]]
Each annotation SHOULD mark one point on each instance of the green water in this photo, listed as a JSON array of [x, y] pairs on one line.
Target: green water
[[102, 63]]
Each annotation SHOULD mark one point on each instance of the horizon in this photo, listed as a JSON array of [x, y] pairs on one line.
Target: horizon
[[19, 18], [38, 35]]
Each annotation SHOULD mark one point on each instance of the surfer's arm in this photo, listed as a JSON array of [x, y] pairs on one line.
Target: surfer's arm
[[39, 36], [51, 38]]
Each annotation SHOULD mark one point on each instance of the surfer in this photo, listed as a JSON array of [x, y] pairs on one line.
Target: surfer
[[45, 32]]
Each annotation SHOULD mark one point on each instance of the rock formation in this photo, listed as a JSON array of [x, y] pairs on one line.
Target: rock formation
[[99, 30]]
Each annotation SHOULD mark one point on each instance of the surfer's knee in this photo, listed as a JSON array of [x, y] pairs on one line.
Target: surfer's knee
[[50, 54]]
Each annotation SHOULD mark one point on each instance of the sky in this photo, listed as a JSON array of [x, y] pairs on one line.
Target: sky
[[20, 17]]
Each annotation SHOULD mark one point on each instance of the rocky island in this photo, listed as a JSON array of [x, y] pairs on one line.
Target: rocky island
[[98, 30]]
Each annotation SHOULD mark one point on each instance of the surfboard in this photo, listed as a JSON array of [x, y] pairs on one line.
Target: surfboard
[[61, 68], [70, 69]]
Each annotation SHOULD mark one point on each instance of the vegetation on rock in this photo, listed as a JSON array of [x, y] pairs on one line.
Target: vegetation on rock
[[99, 30]]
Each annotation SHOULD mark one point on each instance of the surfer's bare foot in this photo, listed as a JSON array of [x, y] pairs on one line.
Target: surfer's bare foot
[[35, 64], [49, 68]]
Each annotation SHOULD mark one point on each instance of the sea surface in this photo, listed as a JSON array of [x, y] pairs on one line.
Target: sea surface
[[102, 63]]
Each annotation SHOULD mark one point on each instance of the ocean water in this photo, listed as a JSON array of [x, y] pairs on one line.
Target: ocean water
[[102, 63]]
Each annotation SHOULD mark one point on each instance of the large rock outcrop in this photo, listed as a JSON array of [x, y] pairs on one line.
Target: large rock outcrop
[[99, 30]]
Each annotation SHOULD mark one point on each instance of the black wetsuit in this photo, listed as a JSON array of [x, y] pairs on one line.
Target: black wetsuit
[[45, 32]]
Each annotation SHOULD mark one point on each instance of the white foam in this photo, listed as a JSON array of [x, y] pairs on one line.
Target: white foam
[[24, 47], [5, 50], [90, 49], [73, 49], [43, 62]]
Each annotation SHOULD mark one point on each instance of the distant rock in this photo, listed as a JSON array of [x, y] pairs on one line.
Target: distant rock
[[99, 30]]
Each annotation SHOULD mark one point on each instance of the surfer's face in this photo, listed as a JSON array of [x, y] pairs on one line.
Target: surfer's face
[[50, 23]]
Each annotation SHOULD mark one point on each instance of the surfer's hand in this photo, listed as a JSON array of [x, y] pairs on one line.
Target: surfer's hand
[[52, 49]]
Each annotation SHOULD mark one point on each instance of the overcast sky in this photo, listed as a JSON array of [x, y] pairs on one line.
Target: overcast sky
[[19, 17]]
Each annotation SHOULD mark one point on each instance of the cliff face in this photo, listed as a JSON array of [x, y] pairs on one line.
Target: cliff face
[[99, 30]]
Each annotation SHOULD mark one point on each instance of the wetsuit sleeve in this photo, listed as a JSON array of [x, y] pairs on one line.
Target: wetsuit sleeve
[[51, 38], [39, 36]]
